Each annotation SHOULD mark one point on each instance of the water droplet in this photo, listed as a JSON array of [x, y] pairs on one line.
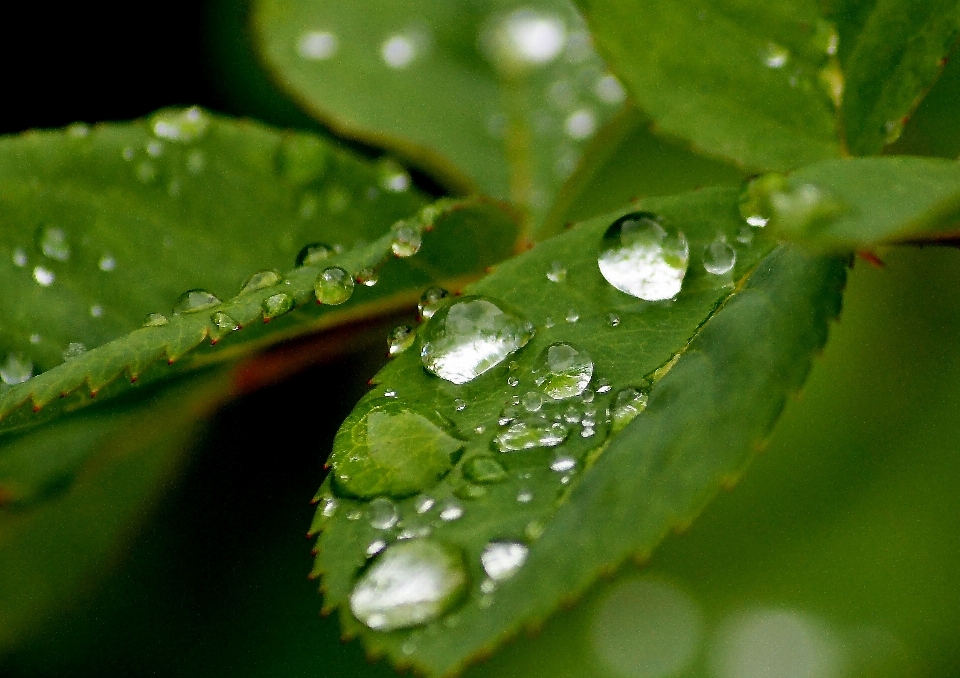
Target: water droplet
[[78, 130], [641, 259], [277, 305], [525, 435], [532, 401], [745, 235], [572, 415], [390, 394], [609, 90], [74, 350], [423, 503], [774, 56], [503, 559], [556, 273], [406, 241], [581, 124], [719, 257], [334, 286], [603, 386], [317, 45], [389, 449], [563, 463], [451, 511], [892, 130], [525, 496], [376, 547], [409, 584], [107, 263], [484, 469], [155, 320], [393, 177], [224, 323], [314, 253], [16, 370], [260, 281], [512, 381], [470, 336], [572, 315], [302, 158], [154, 149], [460, 404], [627, 404], [794, 207], [368, 277], [522, 40], [563, 371], [508, 415], [400, 339], [382, 513], [53, 243], [399, 51], [43, 276], [96, 311], [19, 258], [613, 319], [329, 507], [431, 301], [184, 125], [192, 301]]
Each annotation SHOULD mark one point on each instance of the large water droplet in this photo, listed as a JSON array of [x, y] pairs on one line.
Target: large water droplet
[[406, 241], [302, 158], [261, 280], [627, 404], [641, 259], [431, 301], [334, 286], [53, 243], [484, 469], [192, 301], [390, 449], [718, 257], [470, 336], [503, 559], [523, 39], [383, 513], [400, 339], [314, 253], [184, 126], [525, 435], [16, 370], [563, 371], [409, 584]]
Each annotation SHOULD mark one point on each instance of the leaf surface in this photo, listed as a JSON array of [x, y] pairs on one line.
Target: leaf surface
[[717, 363], [862, 202], [498, 96]]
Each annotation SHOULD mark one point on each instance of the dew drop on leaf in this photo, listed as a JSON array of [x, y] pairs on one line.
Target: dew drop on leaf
[[459, 404], [15, 370], [183, 125], [43, 276], [563, 371], [74, 350], [409, 584], [277, 305], [376, 547], [155, 320], [317, 45], [563, 463], [368, 277], [393, 177], [193, 301], [107, 263], [719, 257], [556, 273], [19, 258], [613, 319], [451, 511], [774, 56], [382, 513], [484, 469], [793, 206], [406, 241], [532, 401], [529, 434], [400, 339], [470, 336], [53, 243], [522, 40], [261, 280], [640, 258], [388, 449], [334, 286], [224, 323], [503, 559], [627, 404], [431, 301], [314, 253], [423, 503]]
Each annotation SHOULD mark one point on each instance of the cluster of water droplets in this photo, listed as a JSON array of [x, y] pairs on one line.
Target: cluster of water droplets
[[814, 67]]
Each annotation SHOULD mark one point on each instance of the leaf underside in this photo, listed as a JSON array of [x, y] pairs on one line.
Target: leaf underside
[[722, 356]]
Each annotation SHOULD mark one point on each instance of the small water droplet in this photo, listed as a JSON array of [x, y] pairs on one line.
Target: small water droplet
[[74, 350], [532, 401], [155, 320], [406, 241], [484, 469], [774, 56], [224, 323], [892, 129], [334, 286], [409, 584], [393, 178], [277, 305], [503, 559], [368, 277], [556, 273], [613, 319], [96, 311], [522, 40], [508, 415], [400, 339], [563, 371], [525, 496], [719, 258], [154, 149], [184, 125], [451, 511], [390, 394], [193, 301], [53, 243], [35, 338], [314, 253], [603, 386], [470, 336], [78, 130], [640, 258], [563, 463], [512, 381], [627, 404], [398, 51], [382, 513], [19, 258], [572, 315], [423, 503], [376, 547], [525, 435], [43, 276], [260, 281], [317, 45], [107, 263], [609, 90], [581, 124], [572, 415], [745, 235], [16, 370], [794, 207], [459, 404], [329, 507], [431, 301]]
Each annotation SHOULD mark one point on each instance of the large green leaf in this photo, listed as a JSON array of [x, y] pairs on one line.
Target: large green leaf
[[861, 202], [594, 487], [103, 226], [891, 52], [497, 95]]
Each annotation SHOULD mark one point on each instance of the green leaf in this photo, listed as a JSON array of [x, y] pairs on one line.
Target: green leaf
[[681, 393], [749, 82], [496, 95], [861, 202], [103, 226], [891, 52], [72, 491]]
